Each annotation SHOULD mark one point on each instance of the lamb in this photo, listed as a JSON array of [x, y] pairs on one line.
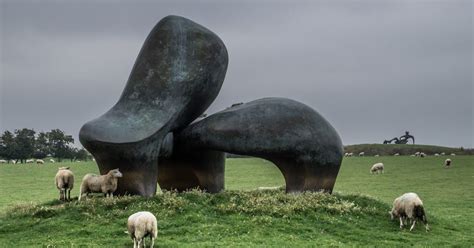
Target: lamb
[[361, 154], [52, 160], [447, 163], [410, 206], [64, 182], [39, 161], [141, 225], [377, 168], [106, 184]]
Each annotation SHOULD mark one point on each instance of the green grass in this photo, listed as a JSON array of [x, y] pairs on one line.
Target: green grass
[[356, 215], [390, 149]]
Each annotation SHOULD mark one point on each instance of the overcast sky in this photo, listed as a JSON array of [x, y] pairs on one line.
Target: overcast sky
[[372, 68]]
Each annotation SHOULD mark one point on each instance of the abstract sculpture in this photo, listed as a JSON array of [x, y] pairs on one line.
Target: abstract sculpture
[[402, 140], [177, 75]]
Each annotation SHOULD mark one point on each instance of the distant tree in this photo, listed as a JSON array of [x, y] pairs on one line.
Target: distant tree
[[25, 143], [7, 145], [42, 148], [82, 154], [59, 144]]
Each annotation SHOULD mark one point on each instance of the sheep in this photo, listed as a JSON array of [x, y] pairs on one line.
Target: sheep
[[39, 161], [376, 155], [269, 188], [345, 154], [377, 168], [436, 154], [141, 225], [443, 153], [30, 161], [78, 161], [106, 184], [64, 182], [350, 154], [453, 154], [447, 163], [396, 154], [13, 161], [3, 161], [417, 154], [361, 154], [422, 155], [52, 160], [409, 206]]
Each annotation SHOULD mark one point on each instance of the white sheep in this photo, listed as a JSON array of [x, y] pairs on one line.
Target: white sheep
[[376, 155], [422, 155], [417, 154], [39, 161], [409, 206], [13, 161], [413, 155], [350, 154], [78, 161], [396, 154], [447, 162], [30, 161], [377, 168], [436, 154], [141, 225], [443, 153], [453, 154], [3, 161], [106, 184], [52, 160], [361, 154], [64, 183]]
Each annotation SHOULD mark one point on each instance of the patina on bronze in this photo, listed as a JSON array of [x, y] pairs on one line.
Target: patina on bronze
[[177, 75]]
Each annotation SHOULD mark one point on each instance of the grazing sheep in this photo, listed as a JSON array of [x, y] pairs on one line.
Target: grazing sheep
[[141, 225], [39, 161], [453, 154], [443, 153], [409, 206], [3, 161], [376, 155], [345, 154], [30, 161], [52, 160], [436, 154], [13, 161], [422, 155], [78, 161], [64, 182], [417, 154], [377, 168], [350, 154], [106, 184], [447, 163], [361, 154], [396, 154]]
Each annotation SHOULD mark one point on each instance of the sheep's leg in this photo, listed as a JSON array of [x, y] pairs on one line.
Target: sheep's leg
[[413, 226], [139, 243], [401, 222], [144, 238], [152, 242], [135, 243], [111, 195]]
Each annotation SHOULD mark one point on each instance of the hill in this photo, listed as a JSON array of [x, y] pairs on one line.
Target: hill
[[390, 149]]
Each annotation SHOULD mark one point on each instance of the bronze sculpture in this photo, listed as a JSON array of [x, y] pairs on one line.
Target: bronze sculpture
[[402, 140], [176, 76]]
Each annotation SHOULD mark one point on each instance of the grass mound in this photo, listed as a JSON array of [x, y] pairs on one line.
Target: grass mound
[[194, 218]]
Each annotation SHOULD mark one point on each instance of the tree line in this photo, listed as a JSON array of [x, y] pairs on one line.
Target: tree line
[[22, 144]]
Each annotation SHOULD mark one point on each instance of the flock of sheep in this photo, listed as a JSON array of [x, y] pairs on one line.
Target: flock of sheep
[[28, 161], [417, 154], [407, 207], [139, 225]]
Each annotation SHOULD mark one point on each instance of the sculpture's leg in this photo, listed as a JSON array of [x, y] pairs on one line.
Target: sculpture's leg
[[185, 170], [308, 175]]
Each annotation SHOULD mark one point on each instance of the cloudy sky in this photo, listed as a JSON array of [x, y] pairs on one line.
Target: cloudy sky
[[373, 68]]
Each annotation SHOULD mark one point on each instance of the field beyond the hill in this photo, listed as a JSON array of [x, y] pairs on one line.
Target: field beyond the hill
[[355, 215]]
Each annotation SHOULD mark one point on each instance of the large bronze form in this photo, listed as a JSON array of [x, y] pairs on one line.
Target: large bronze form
[[402, 140], [176, 76]]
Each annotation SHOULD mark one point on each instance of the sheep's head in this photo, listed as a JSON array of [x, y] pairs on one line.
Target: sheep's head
[[392, 215], [115, 173], [63, 168]]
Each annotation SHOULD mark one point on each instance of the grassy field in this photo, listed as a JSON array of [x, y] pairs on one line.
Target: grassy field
[[356, 215]]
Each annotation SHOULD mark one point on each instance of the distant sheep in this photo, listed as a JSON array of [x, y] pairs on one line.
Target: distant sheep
[[141, 225], [422, 155], [453, 154], [409, 206], [396, 154], [417, 154], [106, 184], [436, 154], [443, 153], [64, 183], [350, 154], [78, 161], [413, 155], [377, 168], [361, 154], [13, 161], [39, 161], [30, 161], [52, 160], [447, 162], [3, 161], [376, 155]]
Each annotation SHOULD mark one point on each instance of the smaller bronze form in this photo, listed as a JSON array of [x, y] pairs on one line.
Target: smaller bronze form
[[402, 140]]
